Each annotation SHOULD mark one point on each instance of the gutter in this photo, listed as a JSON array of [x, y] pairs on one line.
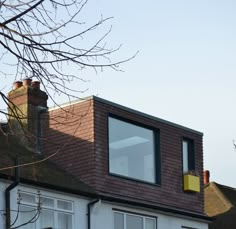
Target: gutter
[[89, 206], [162, 209], [8, 196]]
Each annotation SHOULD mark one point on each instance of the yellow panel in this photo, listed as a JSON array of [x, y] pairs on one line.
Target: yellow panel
[[191, 183]]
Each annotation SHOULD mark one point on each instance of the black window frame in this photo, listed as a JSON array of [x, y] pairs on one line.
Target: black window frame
[[186, 227], [157, 154], [191, 154]]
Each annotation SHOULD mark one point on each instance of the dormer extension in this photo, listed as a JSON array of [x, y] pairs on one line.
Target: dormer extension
[[126, 155]]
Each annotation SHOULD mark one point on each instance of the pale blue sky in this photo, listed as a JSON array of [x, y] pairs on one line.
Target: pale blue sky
[[184, 72]]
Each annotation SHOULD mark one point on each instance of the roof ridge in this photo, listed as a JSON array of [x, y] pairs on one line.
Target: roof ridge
[[226, 186]]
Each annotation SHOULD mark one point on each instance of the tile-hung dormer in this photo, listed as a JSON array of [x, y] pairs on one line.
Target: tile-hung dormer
[[26, 103], [128, 155], [140, 157]]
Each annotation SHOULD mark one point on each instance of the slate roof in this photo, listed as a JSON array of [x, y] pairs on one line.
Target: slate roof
[[229, 193], [220, 202], [44, 174]]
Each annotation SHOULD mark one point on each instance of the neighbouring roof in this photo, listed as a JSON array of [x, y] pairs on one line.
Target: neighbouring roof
[[229, 193], [225, 220], [44, 174], [220, 202]]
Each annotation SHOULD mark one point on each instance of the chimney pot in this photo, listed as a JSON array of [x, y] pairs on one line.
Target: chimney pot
[[17, 84], [206, 175], [27, 82], [36, 84]]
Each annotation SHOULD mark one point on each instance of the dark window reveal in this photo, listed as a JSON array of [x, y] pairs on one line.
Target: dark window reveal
[[188, 155], [132, 150]]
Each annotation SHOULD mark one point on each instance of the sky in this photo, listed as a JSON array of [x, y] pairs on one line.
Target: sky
[[184, 72]]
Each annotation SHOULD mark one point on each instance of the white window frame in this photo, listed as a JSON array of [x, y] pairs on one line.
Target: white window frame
[[55, 209], [143, 216]]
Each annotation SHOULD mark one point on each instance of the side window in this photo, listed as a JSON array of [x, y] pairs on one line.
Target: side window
[[188, 155], [124, 220]]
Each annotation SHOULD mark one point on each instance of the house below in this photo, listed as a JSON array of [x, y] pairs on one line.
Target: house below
[[95, 164]]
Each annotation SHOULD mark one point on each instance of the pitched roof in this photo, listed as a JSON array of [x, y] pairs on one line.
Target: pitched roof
[[220, 202], [215, 200], [44, 174], [225, 220], [229, 193]]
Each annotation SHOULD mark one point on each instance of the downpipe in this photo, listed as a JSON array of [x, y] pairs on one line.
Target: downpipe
[[89, 206], [8, 196]]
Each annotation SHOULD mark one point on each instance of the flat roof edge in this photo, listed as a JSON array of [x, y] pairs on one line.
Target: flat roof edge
[[93, 97], [70, 103], [144, 114]]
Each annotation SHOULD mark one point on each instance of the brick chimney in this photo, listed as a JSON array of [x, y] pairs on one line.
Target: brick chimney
[[26, 103], [206, 176]]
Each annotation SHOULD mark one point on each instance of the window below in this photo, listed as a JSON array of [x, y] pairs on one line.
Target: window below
[[53, 213], [131, 221], [189, 227], [132, 150], [188, 155]]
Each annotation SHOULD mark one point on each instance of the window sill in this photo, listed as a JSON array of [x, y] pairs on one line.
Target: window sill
[[134, 180]]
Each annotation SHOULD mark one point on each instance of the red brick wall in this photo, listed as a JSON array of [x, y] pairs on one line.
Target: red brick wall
[[171, 190], [70, 135]]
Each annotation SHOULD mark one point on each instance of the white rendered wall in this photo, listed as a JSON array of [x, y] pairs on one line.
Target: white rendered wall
[[102, 218], [101, 215], [80, 204], [3, 186]]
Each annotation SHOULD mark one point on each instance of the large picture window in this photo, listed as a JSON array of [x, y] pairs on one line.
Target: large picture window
[[130, 221], [132, 150], [54, 213]]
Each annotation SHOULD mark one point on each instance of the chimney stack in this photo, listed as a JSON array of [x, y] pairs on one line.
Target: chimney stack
[[206, 175], [26, 103]]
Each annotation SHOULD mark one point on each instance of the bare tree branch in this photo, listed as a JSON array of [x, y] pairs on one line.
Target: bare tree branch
[[22, 13], [33, 35]]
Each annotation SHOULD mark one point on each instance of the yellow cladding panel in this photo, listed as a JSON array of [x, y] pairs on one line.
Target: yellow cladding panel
[[191, 183]]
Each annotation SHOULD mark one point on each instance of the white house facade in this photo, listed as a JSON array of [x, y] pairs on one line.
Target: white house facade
[[68, 211]]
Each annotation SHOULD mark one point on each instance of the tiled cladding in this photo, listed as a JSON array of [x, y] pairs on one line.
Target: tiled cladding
[[70, 134], [170, 192], [86, 155]]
